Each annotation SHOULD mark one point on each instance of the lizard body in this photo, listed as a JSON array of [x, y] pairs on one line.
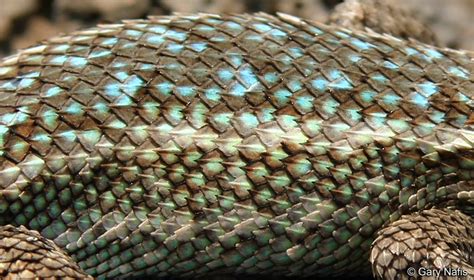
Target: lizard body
[[196, 144]]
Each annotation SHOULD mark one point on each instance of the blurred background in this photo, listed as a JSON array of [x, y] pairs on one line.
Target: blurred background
[[26, 22]]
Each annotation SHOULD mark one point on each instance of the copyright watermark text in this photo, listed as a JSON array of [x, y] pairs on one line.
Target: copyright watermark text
[[434, 272]]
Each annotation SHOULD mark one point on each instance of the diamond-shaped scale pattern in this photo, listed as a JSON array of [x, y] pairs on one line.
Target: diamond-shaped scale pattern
[[187, 145]]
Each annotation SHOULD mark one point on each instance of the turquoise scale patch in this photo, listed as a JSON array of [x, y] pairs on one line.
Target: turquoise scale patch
[[330, 106], [99, 53], [31, 75], [91, 136], [101, 107], [74, 109], [391, 99], [129, 45], [249, 120], [121, 76], [49, 117], [123, 101], [225, 75], [294, 84], [176, 35], [361, 44], [154, 40], [398, 125], [277, 33], [428, 88], [69, 135], [368, 96], [354, 58], [132, 85], [11, 119], [283, 96], [3, 133], [165, 88], [175, 48], [288, 120], [9, 85], [236, 59], [437, 116], [296, 52], [342, 84], [254, 37], [77, 61], [339, 80], [462, 97], [320, 84], [218, 39], [62, 48], [160, 29], [248, 76], [419, 100], [233, 25], [109, 42], [146, 67], [379, 78], [204, 28], [342, 34], [116, 124], [133, 33], [175, 113], [222, 118], [261, 27], [118, 64], [315, 30], [112, 89], [213, 94], [53, 91], [185, 90], [25, 83], [271, 77], [458, 72], [432, 53], [305, 102], [354, 114], [390, 65], [378, 119], [198, 47], [237, 90], [58, 60], [411, 51], [267, 114], [41, 137]]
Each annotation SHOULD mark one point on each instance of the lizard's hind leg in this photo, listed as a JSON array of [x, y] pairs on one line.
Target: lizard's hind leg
[[430, 244]]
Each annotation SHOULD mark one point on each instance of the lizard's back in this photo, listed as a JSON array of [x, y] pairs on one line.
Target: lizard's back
[[186, 145]]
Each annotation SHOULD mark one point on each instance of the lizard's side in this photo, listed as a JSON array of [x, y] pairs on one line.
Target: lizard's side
[[200, 144]]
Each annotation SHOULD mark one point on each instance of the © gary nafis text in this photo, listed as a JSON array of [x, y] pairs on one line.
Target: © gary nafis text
[[447, 271]]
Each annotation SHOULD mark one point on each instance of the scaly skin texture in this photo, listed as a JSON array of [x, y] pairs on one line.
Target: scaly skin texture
[[200, 144]]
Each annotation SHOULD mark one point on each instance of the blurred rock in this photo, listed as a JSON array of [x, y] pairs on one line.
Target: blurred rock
[[38, 28], [383, 16], [11, 10], [310, 9], [110, 10], [217, 6], [452, 21]]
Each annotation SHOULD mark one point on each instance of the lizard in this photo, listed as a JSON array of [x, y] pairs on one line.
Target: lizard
[[202, 144]]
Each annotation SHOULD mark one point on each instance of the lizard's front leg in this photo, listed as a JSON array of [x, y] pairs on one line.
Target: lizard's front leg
[[25, 254]]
